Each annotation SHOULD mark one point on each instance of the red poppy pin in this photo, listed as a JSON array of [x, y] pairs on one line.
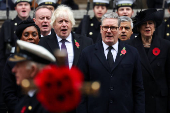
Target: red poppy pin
[[77, 44], [23, 109], [123, 51], [156, 51]]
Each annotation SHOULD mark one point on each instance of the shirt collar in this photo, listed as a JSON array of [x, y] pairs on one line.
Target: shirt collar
[[31, 92], [48, 34], [115, 46], [69, 39]]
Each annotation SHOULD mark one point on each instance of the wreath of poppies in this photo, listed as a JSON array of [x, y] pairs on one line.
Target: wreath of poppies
[[59, 88], [156, 51]]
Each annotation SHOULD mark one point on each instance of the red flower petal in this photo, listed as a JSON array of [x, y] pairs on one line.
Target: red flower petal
[[156, 51], [59, 86], [77, 44], [123, 52]]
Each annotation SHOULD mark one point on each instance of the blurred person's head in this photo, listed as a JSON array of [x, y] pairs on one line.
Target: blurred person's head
[[30, 59]]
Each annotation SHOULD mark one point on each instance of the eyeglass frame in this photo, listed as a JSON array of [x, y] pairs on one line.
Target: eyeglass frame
[[111, 29]]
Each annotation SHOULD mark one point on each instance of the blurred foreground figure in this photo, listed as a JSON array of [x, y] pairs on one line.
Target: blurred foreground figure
[[30, 59]]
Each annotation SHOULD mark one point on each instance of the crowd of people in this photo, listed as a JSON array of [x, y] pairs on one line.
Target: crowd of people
[[128, 56]]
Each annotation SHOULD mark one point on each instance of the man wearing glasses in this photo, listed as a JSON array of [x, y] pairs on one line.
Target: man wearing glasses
[[126, 26], [117, 67]]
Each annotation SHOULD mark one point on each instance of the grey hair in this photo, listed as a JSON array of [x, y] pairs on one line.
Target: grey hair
[[31, 63], [126, 19], [111, 15], [63, 11], [41, 7]]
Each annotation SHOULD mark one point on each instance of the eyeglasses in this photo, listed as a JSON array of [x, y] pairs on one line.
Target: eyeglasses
[[112, 28], [126, 28]]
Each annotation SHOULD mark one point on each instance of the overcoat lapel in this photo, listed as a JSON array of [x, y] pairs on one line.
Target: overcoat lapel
[[99, 52], [119, 57], [143, 56], [53, 42], [77, 50], [155, 44]]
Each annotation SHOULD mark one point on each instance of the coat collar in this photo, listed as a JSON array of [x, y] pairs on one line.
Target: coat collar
[[100, 54], [53, 44], [147, 59]]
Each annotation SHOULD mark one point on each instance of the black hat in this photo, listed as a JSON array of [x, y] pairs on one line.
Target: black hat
[[23, 25], [149, 14], [18, 1], [29, 51]]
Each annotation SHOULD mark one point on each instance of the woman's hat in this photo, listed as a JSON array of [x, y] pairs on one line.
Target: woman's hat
[[149, 14], [23, 25]]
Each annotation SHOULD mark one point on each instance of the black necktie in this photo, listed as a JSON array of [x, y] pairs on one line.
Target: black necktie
[[63, 46], [110, 57]]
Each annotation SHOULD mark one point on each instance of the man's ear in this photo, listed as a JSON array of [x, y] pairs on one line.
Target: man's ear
[[34, 70], [100, 28], [34, 20]]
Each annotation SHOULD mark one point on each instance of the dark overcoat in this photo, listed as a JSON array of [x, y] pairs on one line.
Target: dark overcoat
[[156, 74], [51, 43], [121, 88]]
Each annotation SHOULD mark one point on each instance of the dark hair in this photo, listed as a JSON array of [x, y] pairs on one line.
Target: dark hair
[[23, 25]]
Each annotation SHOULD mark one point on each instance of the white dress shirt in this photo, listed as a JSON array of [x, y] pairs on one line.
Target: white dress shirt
[[48, 34], [114, 51], [69, 46], [31, 92]]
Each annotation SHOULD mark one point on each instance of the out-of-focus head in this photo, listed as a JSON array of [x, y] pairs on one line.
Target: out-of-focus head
[[100, 7], [28, 31], [125, 7], [42, 18], [29, 58], [146, 21], [126, 26], [51, 4], [23, 8], [62, 21], [109, 28]]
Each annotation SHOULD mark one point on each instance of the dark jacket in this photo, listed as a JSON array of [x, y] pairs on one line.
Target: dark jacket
[[50, 43], [31, 105], [121, 88], [93, 30], [156, 74]]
